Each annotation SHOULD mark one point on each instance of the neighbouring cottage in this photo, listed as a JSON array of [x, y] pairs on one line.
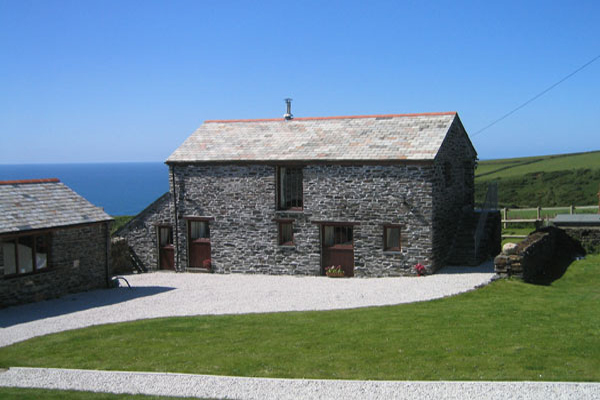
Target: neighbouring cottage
[[52, 242]]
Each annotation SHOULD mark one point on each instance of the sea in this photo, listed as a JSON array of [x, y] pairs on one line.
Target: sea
[[119, 188]]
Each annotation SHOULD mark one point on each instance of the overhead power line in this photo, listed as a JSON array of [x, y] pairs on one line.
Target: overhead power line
[[540, 94]]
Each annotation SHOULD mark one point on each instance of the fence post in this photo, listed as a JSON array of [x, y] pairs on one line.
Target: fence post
[[571, 209], [539, 212], [505, 216]]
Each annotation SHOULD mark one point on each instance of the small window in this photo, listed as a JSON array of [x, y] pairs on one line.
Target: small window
[[25, 254], [391, 238], [286, 233], [341, 235], [165, 236], [289, 188], [199, 230]]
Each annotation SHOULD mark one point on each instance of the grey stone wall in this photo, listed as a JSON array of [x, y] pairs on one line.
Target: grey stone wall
[[589, 237], [542, 257], [77, 263], [141, 231], [454, 196], [241, 199]]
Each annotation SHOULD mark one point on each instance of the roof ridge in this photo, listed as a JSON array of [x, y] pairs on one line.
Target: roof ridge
[[331, 118], [30, 181]]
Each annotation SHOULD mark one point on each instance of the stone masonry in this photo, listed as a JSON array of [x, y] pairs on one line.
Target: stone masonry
[[77, 262], [141, 232], [241, 199]]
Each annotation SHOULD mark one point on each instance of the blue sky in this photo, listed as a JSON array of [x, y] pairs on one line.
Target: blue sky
[[111, 81]]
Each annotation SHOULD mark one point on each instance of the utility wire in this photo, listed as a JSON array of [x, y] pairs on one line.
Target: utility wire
[[536, 96]]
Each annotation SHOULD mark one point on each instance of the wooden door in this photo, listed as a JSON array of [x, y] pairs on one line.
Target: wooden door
[[199, 244], [337, 247], [166, 251]]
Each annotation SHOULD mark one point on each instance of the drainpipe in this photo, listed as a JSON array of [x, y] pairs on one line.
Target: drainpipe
[[176, 225]]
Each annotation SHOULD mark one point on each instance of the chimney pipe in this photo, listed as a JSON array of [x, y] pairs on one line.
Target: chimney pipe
[[288, 115]]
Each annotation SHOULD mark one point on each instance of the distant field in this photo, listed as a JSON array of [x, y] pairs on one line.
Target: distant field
[[547, 181], [516, 167]]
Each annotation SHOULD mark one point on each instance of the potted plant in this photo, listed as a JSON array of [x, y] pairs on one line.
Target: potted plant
[[334, 271], [420, 269]]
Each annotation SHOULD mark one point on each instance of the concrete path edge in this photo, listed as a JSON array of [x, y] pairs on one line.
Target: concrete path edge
[[227, 387]]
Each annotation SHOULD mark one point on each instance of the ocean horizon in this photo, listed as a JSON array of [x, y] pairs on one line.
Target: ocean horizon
[[124, 188]]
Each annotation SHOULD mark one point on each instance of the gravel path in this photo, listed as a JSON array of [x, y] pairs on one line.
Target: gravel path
[[160, 384], [169, 294]]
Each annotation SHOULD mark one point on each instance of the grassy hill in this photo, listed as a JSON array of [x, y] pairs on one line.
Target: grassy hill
[[555, 180]]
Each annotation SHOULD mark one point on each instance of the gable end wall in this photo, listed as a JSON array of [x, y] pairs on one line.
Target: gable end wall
[[450, 202]]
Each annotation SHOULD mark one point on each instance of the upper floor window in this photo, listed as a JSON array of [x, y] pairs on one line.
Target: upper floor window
[[25, 254], [289, 188]]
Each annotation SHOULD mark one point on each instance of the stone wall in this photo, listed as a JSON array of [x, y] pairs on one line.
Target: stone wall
[[589, 237], [77, 262], [540, 258], [453, 190], [141, 231], [241, 199]]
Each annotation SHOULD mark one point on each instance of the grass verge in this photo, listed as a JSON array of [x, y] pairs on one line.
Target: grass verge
[[508, 330], [36, 394]]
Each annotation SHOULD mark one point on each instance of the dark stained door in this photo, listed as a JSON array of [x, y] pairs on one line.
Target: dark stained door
[[199, 238], [337, 247], [166, 251]]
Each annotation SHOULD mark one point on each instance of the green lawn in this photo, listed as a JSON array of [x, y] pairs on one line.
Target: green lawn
[[508, 330], [36, 394]]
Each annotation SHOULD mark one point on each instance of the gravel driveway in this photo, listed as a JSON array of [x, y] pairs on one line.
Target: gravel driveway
[[179, 294]]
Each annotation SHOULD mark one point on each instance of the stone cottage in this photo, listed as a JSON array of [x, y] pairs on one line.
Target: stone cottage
[[373, 194], [52, 242]]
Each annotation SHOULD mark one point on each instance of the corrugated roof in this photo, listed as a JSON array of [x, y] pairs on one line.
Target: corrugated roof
[[350, 138], [43, 203]]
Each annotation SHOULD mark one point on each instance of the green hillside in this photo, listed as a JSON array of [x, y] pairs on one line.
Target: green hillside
[[547, 181]]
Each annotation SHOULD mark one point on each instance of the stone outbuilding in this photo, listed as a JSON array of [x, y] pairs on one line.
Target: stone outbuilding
[[374, 194], [148, 239], [52, 242]]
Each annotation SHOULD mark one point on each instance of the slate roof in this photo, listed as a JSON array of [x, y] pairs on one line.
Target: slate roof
[[43, 203], [351, 138]]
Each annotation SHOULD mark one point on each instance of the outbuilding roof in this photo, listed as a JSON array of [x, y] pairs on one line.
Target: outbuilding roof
[[43, 203], [392, 137]]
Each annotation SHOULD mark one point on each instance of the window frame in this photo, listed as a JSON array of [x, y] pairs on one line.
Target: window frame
[[14, 240], [296, 187], [385, 237], [280, 238]]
